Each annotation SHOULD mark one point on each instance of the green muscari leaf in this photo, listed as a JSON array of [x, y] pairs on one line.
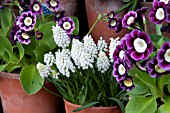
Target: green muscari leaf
[[76, 21], [85, 106], [6, 17], [40, 51], [141, 105], [30, 79], [164, 108]]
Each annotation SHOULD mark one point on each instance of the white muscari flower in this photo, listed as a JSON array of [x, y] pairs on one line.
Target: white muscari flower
[[76, 50], [49, 58], [103, 62], [55, 74], [102, 45], [44, 70], [64, 63], [112, 47], [86, 60], [60, 36]]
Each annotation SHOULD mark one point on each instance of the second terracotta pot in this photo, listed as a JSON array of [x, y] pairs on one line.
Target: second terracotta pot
[[96, 7], [69, 107]]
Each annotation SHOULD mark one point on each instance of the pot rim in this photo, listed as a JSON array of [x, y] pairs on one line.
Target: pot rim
[[71, 104], [10, 75]]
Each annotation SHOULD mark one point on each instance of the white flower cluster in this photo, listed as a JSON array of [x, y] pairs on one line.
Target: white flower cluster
[[64, 63], [102, 45], [112, 47], [103, 62], [44, 70], [60, 36], [76, 50], [49, 59]]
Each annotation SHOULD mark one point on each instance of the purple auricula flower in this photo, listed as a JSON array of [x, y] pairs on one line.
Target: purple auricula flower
[[129, 19], [13, 37], [127, 84], [23, 37], [36, 7], [27, 20], [165, 1], [58, 15], [111, 15], [154, 69], [39, 35], [120, 69], [53, 4], [67, 24], [163, 56], [142, 10], [166, 28], [112, 23], [119, 26], [157, 13], [139, 45]]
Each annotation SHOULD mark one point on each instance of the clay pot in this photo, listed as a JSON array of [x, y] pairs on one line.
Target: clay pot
[[69, 107], [150, 27], [94, 8], [15, 100]]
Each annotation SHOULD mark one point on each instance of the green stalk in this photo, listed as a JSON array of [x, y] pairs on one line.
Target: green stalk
[[158, 27], [125, 6], [134, 6]]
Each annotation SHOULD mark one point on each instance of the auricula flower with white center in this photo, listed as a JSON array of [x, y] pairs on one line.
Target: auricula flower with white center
[[27, 20], [23, 37], [36, 7], [112, 47], [165, 1], [103, 62], [127, 84], [129, 19], [43, 70], [49, 59], [64, 63], [53, 4], [102, 45], [60, 36]]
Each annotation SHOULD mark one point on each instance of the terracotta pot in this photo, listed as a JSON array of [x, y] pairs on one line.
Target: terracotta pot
[[94, 8], [15, 100], [151, 27], [69, 107]]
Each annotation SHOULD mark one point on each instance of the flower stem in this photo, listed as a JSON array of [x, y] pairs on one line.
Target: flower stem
[[98, 19], [158, 31]]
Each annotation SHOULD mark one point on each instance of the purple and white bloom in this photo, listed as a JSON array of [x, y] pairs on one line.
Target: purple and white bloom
[[103, 62], [58, 15], [112, 47], [120, 69], [139, 45], [127, 84], [119, 26], [112, 23], [142, 10], [129, 19], [39, 35], [23, 37], [157, 13], [49, 59], [27, 20], [111, 15], [119, 53], [36, 7], [53, 4], [60, 36], [67, 24], [163, 56], [43, 70], [13, 37], [165, 1], [102, 45], [154, 69]]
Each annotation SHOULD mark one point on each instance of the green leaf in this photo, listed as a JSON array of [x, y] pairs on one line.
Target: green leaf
[[141, 105], [6, 17], [30, 79], [48, 39], [160, 42], [164, 108], [120, 104], [76, 21], [40, 51], [162, 81], [156, 38], [4, 31], [21, 51], [126, 0], [85, 106]]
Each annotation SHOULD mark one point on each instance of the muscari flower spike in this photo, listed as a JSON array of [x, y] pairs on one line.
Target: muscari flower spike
[[154, 69], [139, 45], [157, 13], [23, 37], [163, 56], [129, 19], [27, 20], [46, 11], [53, 4], [36, 7], [127, 84], [58, 15], [67, 24]]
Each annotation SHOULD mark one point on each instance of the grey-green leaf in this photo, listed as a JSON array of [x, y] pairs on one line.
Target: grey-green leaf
[[6, 17], [164, 108]]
